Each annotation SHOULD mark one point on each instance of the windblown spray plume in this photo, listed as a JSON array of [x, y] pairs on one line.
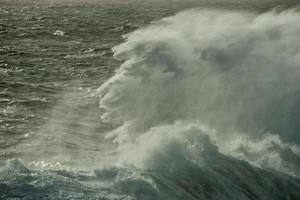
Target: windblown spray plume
[[205, 87], [206, 106], [236, 74]]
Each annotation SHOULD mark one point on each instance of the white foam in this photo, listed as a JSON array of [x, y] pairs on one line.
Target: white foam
[[236, 73]]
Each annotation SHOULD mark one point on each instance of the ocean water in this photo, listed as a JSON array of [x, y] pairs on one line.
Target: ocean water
[[149, 100]]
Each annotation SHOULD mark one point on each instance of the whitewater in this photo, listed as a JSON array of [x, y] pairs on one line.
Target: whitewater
[[205, 106]]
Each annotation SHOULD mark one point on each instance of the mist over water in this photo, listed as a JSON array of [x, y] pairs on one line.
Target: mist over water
[[236, 73], [204, 106]]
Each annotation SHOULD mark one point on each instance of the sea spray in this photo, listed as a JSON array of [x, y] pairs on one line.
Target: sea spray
[[205, 107], [236, 73]]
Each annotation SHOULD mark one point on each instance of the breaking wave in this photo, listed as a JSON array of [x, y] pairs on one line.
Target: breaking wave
[[237, 74], [206, 107]]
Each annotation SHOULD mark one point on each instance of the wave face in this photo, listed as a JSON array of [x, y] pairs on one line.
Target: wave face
[[181, 164], [206, 107]]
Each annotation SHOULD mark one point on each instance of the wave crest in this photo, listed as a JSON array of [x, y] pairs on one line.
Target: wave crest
[[236, 73]]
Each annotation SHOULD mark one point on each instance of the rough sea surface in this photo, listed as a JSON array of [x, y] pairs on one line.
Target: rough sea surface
[[149, 100]]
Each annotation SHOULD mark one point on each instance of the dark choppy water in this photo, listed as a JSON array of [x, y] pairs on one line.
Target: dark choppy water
[[192, 120], [53, 55]]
